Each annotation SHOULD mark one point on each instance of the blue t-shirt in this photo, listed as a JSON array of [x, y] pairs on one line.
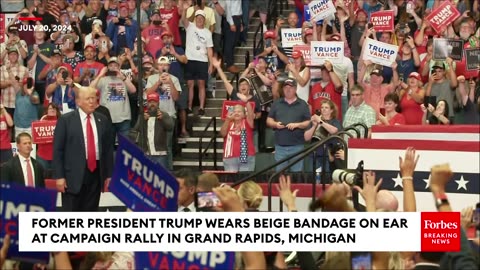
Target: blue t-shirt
[[47, 50], [25, 112]]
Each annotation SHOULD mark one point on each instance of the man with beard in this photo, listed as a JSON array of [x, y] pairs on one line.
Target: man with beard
[[151, 130], [466, 33]]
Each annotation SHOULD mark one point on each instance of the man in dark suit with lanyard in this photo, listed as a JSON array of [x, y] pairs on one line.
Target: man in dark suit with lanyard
[[23, 169], [82, 154]]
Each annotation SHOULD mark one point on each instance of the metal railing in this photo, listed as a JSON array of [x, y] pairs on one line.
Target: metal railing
[[213, 141], [299, 157]]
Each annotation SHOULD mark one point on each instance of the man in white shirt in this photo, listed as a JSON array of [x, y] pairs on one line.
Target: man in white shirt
[[151, 130], [23, 169], [199, 51], [186, 193], [168, 88]]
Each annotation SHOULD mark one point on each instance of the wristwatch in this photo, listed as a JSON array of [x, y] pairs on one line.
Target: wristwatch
[[441, 200]]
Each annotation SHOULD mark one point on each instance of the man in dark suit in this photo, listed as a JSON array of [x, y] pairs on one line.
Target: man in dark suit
[[23, 169], [428, 260], [82, 154]]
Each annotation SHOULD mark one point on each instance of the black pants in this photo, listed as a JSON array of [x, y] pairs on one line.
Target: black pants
[[88, 198], [231, 39]]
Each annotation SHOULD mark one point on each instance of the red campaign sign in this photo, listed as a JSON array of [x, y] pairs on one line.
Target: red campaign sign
[[442, 16], [42, 131], [305, 49], [383, 21], [229, 104], [2, 27]]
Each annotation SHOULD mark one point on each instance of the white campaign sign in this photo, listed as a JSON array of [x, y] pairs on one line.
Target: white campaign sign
[[321, 9], [291, 37], [332, 51], [379, 52]]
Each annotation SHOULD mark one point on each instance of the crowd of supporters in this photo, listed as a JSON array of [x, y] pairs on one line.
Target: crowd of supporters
[[186, 45]]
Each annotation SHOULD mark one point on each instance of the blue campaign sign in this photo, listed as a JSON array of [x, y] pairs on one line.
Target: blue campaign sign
[[306, 13], [185, 260], [15, 199], [140, 183]]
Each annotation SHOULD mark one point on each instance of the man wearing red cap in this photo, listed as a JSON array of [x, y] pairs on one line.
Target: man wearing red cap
[[271, 50], [150, 131], [87, 70], [122, 30], [153, 34]]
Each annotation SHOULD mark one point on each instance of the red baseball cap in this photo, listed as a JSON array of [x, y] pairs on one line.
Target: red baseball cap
[[166, 33], [90, 46], [334, 37], [269, 34], [296, 54], [415, 75], [123, 5], [153, 97]]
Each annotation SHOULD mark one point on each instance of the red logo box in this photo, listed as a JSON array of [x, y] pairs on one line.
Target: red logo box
[[440, 231]]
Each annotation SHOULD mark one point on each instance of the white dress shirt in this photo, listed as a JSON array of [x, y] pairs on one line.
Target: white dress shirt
[[23, 163], [190, 206], [83, 120]]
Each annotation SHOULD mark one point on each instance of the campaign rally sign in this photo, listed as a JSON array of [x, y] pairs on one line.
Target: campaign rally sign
[[473, 58], [291, 37], [327, 50], [321, 9], [15, 199], [2, 27], [305, 49], [383, 21], [442, 16], [42, 131], [140, 183], [306, 13], [443, 48], [185, 260], [379, 52], [228, 106]]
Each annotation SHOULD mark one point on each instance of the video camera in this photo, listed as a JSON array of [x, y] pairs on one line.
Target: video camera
[[351, 177]]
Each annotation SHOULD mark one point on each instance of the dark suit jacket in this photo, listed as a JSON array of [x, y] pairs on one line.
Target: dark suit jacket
[[12, 172], [69, 153], [426, 267]]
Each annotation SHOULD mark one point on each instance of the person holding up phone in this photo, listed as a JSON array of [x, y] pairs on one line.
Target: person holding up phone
[[150, 131], [61, 92], [26, 110], [442, 86], [113, 86], [122, 30], [411, 97], [87, 70]]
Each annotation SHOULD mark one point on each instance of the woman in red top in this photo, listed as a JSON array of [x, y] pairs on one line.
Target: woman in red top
[[391, 117], [238, 147], [6, 123], [411, 97], [45, 150]]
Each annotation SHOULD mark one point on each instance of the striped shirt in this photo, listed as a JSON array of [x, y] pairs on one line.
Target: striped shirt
[[8, 94]]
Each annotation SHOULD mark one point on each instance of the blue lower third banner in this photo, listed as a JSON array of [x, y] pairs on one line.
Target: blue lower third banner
[[140, 183], [184, 260], [15, 199]]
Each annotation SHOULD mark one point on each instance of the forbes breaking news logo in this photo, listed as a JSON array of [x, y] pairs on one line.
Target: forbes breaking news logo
[[440, 231]]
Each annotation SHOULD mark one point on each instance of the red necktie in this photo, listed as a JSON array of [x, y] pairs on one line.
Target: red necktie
[[29, 174], [91, 156]]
